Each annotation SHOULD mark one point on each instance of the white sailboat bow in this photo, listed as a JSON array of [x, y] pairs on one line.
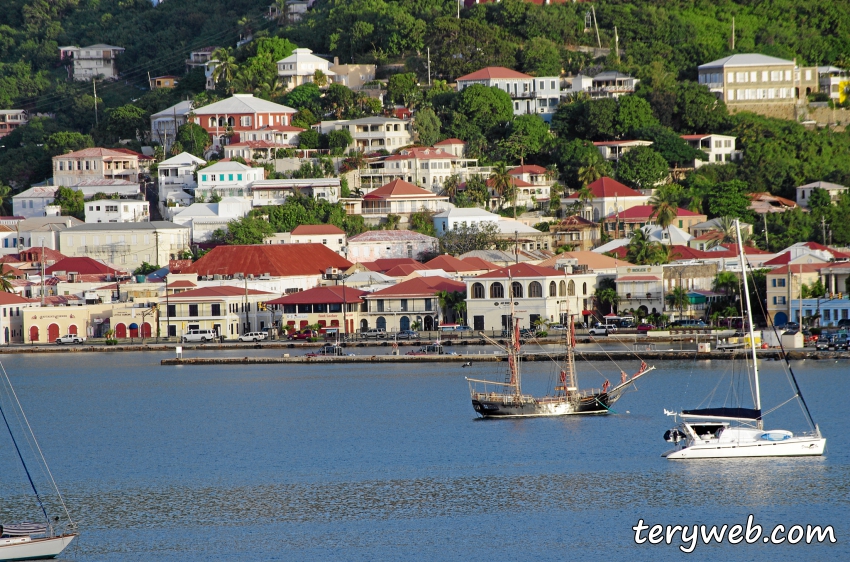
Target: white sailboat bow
[[30, 541], [736, 432]]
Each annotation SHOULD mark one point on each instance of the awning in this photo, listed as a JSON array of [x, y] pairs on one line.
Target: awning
[[24, 529], [725, 413], [587, 313], [134, 326]]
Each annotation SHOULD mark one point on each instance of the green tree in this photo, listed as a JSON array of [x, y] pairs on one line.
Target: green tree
[[308, 139], [64, 142], [527, 134], [642, 168], [145, 269], [678, 299], [306, 96], [71, 202], [503, 184], [671, 146], [245, 231], [339, 139], [477, 236], [540, 57], [633, 114], [484, 107], [698, 110], [391, 222], [819, 200], [127, 122], [226, 68], [607, 296], [402, 88], [427, 126], [194, 139], [729, 200], [423, 222], [339, 100]]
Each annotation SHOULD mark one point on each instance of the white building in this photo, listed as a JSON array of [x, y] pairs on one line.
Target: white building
[[175, 176], [126, 243], [608, 197], [203, 219], [750, 78], [227, 179], [35, 201], [530, 95], [719, 148], [614, 150], [300, 67], [835, 81], [326, 234], [427, 167], [90, 62], [276, 192], [804, 192], [165, 123], [641, 286], [42, 231], [385, 244], [11, 119], [455, 217], [611, 84], [117, 210], [76, 167], [373, 133]]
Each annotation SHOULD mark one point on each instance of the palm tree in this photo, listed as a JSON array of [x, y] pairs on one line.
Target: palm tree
[[320, 79], [678, 298], [726, 282], [6, 278], [608, 296], [450, 186], [589, 173], [225, 68], [503, 183], [639, 249], [552, 172], [664, 210]]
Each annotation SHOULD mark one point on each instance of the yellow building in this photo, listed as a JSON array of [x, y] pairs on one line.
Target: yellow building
[[45, 324], [229, 310]]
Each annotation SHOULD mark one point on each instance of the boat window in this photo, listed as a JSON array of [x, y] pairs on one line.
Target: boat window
[[516, 290], [497, 291]]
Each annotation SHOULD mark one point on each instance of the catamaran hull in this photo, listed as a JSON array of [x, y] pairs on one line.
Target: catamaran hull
[[794, 447], [35, 549], [595, 404]]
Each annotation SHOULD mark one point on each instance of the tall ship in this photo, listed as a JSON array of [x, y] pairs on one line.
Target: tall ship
[[496, 399]]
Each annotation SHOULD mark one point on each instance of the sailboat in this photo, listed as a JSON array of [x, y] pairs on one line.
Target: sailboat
[[737, 432], [30, 541], [492, 399]]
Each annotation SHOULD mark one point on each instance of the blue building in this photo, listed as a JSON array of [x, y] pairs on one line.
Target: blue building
[[831, 310]]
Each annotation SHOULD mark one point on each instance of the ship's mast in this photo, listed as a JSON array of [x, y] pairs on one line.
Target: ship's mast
[[513, 347], [757, 397], [570, 382]]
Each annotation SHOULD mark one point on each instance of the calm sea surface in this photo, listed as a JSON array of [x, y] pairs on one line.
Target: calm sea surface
[[362, 462]]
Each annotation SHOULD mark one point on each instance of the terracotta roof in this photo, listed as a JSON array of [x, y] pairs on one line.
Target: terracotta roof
[[452, 264], [516, 181], [322, 295], [7, 269], [383, 265], [278, 260], [81, 265], [748, 250], [796, 268], [449, 142], [420, 153], [492, 72], [527, 169], [400, 189], [572, 222], [89, 152], [592, 260], [220, 291], [643, 212], [182, 284], [522, 270], [420, 286], [138, 155], [694, 137], [710, 235], [404, 270], [480, 263], [391, 236], [177, 266], [310, 229], [607, 187], [35, 252], [835, 253]]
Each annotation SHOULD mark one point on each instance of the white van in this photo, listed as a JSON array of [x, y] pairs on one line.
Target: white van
[[199, 336]]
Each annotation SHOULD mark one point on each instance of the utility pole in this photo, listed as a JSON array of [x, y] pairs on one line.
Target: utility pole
[[766, 241], [247, 321], [94, 87], [42, 271], [733, 33], [516, 246], [823, 229], [617, 44], [598, 41], [429, 67]]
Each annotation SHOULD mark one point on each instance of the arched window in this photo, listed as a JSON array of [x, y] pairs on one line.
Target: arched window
[[562, 289], [571, 288], [231, 121], [381, 323], [584, 288], [516, 290], [221, 122], [535, 290], [212, 121], [497, 291], [477, 291], [553, 289]]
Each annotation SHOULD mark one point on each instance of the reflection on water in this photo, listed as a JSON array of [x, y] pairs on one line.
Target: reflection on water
[[355, 462]]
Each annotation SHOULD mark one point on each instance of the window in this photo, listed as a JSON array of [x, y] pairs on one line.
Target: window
[[497, 291], [193, 310], [778, 300], [171, 310], [553, 289], [571, 288], [238, 177], [477, 291], [552, 85], [215, 309], [516, 290], [584, 288], [429, 305], [245, 121], [379, 304], [535, 290], [203, 177], [780, 282]]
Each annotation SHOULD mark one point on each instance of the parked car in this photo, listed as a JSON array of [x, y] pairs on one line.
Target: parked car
[[70, 338], [374, 333], [644, 328], [792, 326], [407, 335], [252, 336], [526, 333], [602, 330], [463, 329], [688, 324], [557, 328], [627, 324], [612, 328], [202, 336], [304, 334]]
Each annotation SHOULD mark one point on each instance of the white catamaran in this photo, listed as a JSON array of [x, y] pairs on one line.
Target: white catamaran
[[736, 432], [30, 541], [506, 400]]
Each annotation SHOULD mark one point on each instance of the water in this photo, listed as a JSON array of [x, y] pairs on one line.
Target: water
[[361, 462]]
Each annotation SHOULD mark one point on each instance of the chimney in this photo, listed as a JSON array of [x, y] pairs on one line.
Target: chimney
[[68, 223], [336, 61]]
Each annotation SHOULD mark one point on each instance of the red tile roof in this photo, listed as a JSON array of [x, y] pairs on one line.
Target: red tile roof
[[522, 270], [177, 266], [835, 253], [480, 263], [404, 270], [220, 291], [81, 265], [452, 264], [422, 153], [138, 155], [7, 269], [419, 286], [797, 268], [400, 189], [643, 212], [385, 264], [492, 72], [528, 169], [449, 142], [278, 260], [34, 254], [694, 137], [516, 181], [322, 295], [638, 278], [182, 284], [607, 187], [316, 229]]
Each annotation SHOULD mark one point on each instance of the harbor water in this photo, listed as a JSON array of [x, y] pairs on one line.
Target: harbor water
[[388, 462]]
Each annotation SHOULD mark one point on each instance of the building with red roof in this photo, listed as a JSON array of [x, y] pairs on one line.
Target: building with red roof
[[784, 284], [530, 95], [228, 310], [622, 224], [12, 318], [576, 232], [461, 268], [807, 252], [84, 266], [293, 267], [453, 146], [401, 198], [76, 167], [321, 305], [405, 270], [607, 197], [414, 302], [327, 234]]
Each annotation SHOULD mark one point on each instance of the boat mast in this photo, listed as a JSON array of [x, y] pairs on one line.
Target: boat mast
[[570, 382], [749, 320], [513, 347]]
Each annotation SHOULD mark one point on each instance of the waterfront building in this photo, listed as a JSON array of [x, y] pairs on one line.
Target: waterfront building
[[320, 305], [411, 304], [11, 319], [229, 310]]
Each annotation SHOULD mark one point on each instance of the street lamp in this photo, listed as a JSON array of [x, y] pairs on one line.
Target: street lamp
[[333, 274]]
